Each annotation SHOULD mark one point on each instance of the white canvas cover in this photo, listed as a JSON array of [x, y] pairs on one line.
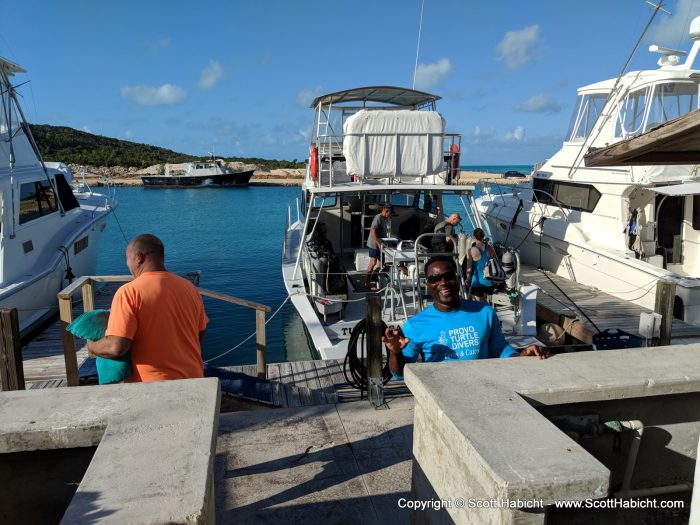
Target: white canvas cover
[[394, 143]]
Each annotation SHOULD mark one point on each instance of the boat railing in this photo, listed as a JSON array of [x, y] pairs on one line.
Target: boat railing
[[86, 286]]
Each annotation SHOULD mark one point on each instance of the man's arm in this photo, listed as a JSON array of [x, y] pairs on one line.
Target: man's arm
[[110, 347]]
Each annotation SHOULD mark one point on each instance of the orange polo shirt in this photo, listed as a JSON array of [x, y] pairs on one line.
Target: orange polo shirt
[[163, 315]]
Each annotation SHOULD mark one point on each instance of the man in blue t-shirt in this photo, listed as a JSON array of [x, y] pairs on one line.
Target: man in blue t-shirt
[[450, 329]]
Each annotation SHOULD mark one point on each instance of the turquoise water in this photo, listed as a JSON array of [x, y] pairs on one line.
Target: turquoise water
[[234, 237]]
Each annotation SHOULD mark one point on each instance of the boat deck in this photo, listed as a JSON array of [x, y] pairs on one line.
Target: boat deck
[[605, 310]]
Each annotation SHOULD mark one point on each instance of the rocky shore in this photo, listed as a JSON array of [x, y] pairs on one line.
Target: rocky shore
[[122, 176]]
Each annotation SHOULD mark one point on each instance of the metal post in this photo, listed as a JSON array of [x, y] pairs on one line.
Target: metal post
[[665, 295], [260, 343], [375, 384], [11, 368]]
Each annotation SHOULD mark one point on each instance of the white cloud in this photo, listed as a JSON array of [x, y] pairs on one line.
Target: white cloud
[[128, 133], [517, 134], [210, 75], [306, 96], [86, 129], [518, 48], [165, 95], [431, 75], [541, 103], [669, 30]]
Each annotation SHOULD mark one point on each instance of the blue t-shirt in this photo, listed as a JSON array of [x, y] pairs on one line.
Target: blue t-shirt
[[471, 332]]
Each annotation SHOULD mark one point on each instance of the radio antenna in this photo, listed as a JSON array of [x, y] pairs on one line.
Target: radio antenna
[[420, 28]]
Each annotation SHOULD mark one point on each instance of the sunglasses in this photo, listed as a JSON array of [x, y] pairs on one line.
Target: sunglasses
[[437, 277]]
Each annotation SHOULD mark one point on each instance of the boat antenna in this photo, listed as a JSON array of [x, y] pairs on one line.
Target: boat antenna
[[657, 7], [420, 28]]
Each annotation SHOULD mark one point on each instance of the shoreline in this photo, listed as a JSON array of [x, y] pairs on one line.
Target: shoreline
[[465, 177]]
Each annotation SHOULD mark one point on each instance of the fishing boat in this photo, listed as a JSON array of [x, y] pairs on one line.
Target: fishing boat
[[623, 228], [201, 174], [50, 233], [369, 147]]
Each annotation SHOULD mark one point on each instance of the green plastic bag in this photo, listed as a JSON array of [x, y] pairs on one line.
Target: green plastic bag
[[91, 326]]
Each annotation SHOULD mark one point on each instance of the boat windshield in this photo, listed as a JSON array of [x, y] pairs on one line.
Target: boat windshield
[[652, 106], [585, 114]]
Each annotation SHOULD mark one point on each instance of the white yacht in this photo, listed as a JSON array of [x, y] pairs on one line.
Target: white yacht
[[371, 146], [620, 229], [50, 233]]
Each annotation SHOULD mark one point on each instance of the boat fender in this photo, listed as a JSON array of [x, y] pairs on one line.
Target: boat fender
[[313, 163], [454, 170]]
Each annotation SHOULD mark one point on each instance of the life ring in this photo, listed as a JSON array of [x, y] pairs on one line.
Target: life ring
[[313, 163], [454, 170]]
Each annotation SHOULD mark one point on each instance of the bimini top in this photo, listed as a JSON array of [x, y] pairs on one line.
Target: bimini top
[[383, 94]]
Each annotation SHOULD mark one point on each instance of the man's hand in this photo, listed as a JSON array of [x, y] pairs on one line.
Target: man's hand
[[394, 340], [534, 350]]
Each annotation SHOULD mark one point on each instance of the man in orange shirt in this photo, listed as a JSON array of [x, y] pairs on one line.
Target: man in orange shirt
[[158, 317]]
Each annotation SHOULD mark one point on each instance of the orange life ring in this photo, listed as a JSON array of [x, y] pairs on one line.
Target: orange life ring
[[313, 163], [455, 162]]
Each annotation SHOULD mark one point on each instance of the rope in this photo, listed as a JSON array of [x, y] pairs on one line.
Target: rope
[[354, 365], [114, 212], [250, 336]]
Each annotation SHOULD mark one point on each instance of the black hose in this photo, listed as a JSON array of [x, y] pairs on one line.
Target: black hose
[[354, 369]]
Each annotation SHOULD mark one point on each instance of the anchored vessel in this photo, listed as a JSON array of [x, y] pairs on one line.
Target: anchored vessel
[[51, 233], [372, 146], [621, 229], [199, 174]]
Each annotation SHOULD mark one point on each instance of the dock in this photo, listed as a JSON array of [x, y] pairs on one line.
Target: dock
[[312, 383], [604, 310]]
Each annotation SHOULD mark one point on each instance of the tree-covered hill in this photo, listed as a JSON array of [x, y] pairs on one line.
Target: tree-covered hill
[[59, 143]]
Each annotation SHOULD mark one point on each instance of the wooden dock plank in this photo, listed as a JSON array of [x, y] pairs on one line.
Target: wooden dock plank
[[603, 310]]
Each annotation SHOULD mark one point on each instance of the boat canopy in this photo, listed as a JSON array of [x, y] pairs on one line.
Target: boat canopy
[[381, 94], [678, 190]]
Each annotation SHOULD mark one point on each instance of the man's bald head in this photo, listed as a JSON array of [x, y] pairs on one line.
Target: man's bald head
[[145, 253], [148, 244]]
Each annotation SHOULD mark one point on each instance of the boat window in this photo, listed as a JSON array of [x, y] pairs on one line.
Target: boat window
[[35, 200], [696, 212], [671, 101], [328, 201], [403, 199], [426, 202], [584, 116], [65, 194], [569, 195], [630, 117]]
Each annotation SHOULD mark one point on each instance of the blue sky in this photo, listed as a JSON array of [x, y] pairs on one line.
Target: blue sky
[[238, 75]]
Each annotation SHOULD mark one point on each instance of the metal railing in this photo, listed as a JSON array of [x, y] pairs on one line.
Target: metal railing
[[86, 285]]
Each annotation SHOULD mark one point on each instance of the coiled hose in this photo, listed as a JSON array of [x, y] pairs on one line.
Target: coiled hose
[[354, 368]]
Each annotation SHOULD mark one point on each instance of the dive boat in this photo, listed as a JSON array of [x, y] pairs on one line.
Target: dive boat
[[369, 147], [207, 173], [50, 233], [621, 229]]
